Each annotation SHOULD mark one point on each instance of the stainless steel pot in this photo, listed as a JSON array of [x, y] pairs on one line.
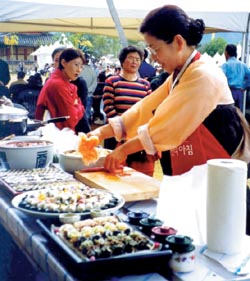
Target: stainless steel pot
[[14, 120], [11, 112]]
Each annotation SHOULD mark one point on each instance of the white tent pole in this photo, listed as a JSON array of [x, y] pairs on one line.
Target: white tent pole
[[245, 56], [245, 43], [117, 22]]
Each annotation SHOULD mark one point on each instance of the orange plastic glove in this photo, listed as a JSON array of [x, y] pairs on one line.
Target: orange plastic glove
[[88, 148]]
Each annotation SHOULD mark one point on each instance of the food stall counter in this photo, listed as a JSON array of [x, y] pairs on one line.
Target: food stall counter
[[52, 265], [29, 237]]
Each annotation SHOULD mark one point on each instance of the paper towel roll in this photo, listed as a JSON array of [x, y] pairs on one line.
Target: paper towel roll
[[226, 205]]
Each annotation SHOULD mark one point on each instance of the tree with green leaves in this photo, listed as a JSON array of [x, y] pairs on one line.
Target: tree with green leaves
[[216, 45], [97, 45]]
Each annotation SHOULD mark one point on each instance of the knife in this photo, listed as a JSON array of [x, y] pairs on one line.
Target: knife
[[93, 169], [101, 169], [55, 120]]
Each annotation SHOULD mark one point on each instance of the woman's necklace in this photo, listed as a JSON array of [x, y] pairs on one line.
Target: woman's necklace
[[188, 61]]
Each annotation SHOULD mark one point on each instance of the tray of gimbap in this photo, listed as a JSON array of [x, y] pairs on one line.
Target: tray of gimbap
[[106, 246], [19, 180], [67, 198]]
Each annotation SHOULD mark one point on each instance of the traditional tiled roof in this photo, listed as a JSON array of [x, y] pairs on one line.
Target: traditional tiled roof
[[30, 39]]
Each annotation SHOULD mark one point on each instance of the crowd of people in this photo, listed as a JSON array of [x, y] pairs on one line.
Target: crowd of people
[[20, 92], [89, 83]]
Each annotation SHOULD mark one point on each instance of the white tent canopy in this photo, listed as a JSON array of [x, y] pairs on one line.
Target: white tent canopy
[[43, 53], [93, 16]]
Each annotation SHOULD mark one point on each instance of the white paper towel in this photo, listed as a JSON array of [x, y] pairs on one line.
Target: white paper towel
[[226, 205]]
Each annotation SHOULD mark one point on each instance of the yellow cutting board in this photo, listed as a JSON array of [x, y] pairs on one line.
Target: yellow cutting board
[[132, 185]]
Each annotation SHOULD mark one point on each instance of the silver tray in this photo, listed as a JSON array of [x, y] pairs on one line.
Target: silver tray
[[42, 214]]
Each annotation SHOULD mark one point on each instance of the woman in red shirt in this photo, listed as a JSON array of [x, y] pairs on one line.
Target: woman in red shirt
[[58, 95]]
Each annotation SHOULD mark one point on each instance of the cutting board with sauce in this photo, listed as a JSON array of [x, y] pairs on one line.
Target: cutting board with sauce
[[132, 185]]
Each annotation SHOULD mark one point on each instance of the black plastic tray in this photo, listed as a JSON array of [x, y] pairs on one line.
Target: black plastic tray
[[103, 269]]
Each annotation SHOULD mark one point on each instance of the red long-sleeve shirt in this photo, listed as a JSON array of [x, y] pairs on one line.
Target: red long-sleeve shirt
[[60, 98]]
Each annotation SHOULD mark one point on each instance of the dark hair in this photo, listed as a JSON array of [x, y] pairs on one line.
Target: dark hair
[[231, 50], [70, 54], [57, 50], [35, 81], [20, 74], [87, 58], [102, 76], [167, 21], [145, 54], [127, 50], [118, 68]]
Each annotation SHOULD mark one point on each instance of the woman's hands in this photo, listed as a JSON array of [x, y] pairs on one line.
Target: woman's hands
[[118, 157], [115, 160]]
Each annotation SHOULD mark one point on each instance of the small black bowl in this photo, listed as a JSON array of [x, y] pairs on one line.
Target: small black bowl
[[136, 216], [180, 243], [147, 224]]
